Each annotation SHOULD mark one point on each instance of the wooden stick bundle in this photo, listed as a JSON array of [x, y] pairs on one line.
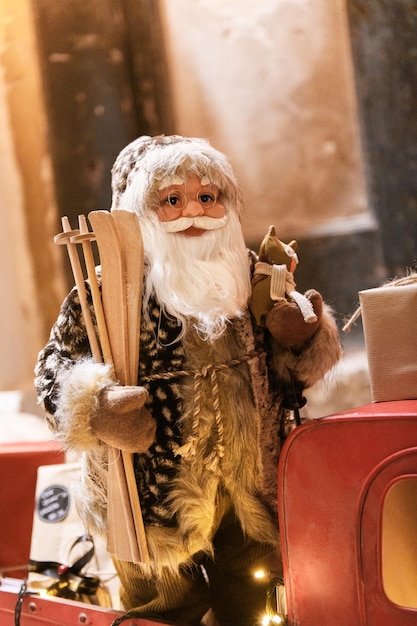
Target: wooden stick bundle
[[117, 311]]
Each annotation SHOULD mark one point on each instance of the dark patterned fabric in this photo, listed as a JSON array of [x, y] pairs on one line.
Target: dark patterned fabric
[[160, 354], [68, 343]]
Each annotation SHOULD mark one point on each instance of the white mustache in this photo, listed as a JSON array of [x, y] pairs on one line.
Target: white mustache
[[202, 221]]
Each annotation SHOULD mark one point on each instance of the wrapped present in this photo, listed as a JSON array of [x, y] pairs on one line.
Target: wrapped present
[[64, 560], [389, 316]]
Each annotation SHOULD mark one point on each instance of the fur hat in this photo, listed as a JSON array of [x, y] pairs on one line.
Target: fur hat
[[143, 165]]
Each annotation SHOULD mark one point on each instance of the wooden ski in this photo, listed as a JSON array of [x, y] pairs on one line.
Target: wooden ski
[[121, 256]]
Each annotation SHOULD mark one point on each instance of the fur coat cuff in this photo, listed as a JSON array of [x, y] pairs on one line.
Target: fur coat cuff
[[78, 402]]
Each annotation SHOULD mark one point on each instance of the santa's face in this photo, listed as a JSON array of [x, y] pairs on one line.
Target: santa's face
[[190, 207]]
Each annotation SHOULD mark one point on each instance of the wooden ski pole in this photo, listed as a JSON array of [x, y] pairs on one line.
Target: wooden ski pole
[[84, 236], [64, 238]]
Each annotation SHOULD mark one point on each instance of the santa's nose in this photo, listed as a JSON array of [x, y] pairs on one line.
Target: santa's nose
[[192, 209]]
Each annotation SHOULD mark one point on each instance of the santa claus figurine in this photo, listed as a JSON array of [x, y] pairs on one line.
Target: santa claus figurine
[[206, 420]]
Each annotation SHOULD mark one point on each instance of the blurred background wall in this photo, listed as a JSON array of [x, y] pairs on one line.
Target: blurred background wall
[[313, 101]]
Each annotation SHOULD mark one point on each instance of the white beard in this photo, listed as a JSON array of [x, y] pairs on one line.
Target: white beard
[[201, 280]]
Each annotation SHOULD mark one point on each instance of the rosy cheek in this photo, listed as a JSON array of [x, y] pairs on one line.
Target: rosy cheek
[[163, 216], [217, 210]]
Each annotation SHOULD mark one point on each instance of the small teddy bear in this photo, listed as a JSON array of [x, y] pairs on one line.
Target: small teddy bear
[[291, 317]]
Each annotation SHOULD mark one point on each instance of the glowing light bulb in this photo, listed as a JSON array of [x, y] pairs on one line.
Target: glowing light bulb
[[260, 573], [267, 620]]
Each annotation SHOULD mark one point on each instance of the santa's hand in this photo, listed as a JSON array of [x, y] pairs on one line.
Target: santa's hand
[[122, 421], [287, 325]]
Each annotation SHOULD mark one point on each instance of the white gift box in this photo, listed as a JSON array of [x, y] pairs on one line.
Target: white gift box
[[389, 316]]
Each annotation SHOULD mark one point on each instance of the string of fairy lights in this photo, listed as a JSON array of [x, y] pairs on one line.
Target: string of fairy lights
[[275, 605]]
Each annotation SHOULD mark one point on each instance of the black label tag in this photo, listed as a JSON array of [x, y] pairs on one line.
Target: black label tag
[[53, 504]]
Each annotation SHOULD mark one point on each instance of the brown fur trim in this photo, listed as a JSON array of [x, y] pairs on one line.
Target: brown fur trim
[[259, 521], [91, 492], [166, 550]]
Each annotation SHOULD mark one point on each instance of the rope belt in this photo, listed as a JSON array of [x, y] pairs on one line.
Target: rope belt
[[188, 449]]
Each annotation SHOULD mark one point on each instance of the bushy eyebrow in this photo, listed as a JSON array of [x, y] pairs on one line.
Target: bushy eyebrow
[[169, 188]]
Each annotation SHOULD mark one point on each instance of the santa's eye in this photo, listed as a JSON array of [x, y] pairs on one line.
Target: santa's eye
[[175, 199], [207, 198]]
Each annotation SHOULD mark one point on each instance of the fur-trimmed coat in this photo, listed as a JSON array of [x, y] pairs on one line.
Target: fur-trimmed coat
[[230, 393]]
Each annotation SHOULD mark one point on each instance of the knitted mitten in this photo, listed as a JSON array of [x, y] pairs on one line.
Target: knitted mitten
[[287, 325], [121, 420]]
